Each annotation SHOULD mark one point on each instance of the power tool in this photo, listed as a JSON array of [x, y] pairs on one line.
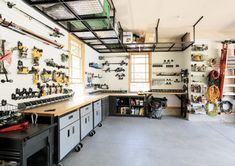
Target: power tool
[[46, 76], [23, 50], [37, 54], [21, 68]]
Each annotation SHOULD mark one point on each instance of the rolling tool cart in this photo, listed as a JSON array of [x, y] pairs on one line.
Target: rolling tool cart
[[22, 146], [21, 141], [69, 135]]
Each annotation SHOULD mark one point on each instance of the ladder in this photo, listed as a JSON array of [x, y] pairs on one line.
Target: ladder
[[227, 71]]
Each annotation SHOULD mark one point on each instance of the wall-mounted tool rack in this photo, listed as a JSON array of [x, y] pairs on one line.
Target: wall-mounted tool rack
[[24, 31], [100, 31]]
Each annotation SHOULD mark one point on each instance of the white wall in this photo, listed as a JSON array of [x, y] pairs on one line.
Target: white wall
[[109, 78], [92, 56], [180, 59]]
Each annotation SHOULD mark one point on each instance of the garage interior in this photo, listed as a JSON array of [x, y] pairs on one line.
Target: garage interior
[[117, 82]]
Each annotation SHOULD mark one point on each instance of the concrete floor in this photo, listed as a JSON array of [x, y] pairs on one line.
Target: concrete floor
[[147, 142]]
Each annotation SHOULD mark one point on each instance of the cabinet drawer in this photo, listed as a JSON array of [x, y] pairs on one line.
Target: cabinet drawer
[[68, 119], [85, 110], [97, 105]]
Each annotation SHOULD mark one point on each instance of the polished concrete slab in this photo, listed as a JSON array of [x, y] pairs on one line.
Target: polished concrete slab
[[147, 142]]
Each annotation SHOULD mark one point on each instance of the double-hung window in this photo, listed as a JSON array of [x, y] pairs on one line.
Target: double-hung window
[[76, 60], [139, 75]]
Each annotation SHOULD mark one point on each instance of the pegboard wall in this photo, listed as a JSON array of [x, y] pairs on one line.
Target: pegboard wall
[[49, 52]]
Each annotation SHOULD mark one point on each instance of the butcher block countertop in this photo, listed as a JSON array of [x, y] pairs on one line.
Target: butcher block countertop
[[78, 101], [72, 104]]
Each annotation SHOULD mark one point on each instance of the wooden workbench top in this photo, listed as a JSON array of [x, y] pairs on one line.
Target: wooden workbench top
[[65, 107], [76, 102]]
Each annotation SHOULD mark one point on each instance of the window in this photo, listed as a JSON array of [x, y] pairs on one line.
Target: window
[[139, 74], [76, 60]]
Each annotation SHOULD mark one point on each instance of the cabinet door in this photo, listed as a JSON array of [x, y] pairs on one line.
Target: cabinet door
[[97, 117], [90, 122], [65, 141], [75, 129], [69, 138], [84, 124]]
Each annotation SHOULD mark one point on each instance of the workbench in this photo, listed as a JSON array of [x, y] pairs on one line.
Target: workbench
[[77, 116], [79, 101], [19, 146]]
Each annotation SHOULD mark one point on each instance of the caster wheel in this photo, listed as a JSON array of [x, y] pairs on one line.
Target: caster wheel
[[81, 145], [91, 134], [77, 149], [60, 164], [100, 124], [94, 132]]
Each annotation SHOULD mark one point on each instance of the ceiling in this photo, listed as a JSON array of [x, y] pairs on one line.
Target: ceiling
[[178, 17]]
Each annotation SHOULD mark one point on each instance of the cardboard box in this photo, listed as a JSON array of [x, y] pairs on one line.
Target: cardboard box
[[149, 38], [127, 37]]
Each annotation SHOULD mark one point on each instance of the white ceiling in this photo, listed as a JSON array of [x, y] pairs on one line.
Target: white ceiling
[[178, 17]]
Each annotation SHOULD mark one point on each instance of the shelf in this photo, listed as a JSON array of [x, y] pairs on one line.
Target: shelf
[[229, 76], [229, 85], [229, 94], [199, 83], [198, 61], [96, 26]]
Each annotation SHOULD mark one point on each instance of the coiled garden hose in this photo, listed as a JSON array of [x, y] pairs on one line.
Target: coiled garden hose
[[215, 110], [226, 107], [213, 93]]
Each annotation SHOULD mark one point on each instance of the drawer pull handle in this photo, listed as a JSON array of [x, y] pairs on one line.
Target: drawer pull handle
[[68, 133], [71, 116], [73, 129], [86, 120], [87, 108]]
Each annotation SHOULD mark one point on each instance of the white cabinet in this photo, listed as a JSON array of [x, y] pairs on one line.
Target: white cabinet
[[97, 112], [69, 133], [86, 120]]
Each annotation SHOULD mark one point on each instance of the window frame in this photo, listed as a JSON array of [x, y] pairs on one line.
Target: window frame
[[130, 70], [72, 38]]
